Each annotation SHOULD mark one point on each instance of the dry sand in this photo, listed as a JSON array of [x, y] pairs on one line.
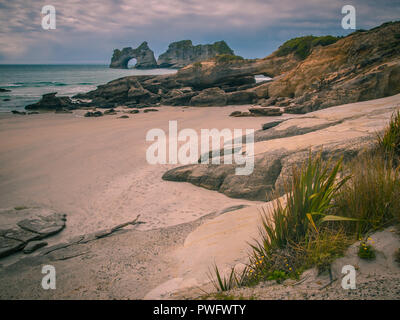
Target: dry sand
[[95, 169]]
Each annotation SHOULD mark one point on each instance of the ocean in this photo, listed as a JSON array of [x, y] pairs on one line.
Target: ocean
[[29, 82]]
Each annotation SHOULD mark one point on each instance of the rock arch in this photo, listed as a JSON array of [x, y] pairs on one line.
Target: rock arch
[[143, 55]]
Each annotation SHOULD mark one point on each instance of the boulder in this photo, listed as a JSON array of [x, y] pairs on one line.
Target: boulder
[[93, 114], [210, 97], [132, 111], [271, 124], [9, 246], [182, 99], [20, 234], [18, 112], [49, 101], [44, 225], [241, 114], [34, 245], [110, 112], [269, 111], [241, 97]]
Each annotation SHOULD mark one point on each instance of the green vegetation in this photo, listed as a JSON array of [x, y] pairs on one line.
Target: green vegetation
[[389, 142], [302, 46], [228, 58], [366, 251], [227, 283], [222, 48], [329, 205], [182, 44], [20, 208], [371, 196]]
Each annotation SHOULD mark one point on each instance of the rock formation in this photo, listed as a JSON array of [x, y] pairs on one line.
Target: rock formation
[[331, 71], [182, 53], [143, 54], [40, 223], [49, 101], [346, 130]]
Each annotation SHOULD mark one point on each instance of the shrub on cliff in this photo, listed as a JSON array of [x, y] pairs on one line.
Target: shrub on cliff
[[302, 46], [228, 58]]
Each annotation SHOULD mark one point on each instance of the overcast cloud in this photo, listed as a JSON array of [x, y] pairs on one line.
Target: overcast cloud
[[88, 31]]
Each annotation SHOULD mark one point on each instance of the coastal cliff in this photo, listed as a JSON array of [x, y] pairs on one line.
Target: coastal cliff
[[329, 71]]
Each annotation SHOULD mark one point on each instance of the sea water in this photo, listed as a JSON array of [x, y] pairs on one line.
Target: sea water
[[29, 82]]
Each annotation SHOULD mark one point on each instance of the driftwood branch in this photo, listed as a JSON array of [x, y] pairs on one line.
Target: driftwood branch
[[122, 225]]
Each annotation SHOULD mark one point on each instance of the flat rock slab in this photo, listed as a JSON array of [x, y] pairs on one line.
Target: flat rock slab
[[34, 245], [20, 234], [9, 246], [44, 225]]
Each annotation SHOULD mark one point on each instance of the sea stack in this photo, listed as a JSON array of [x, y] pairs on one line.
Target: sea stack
[[143, 54], [183, 53]]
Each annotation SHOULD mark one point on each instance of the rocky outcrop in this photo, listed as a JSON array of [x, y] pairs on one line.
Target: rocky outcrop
[[182, 53], [209, 97], [143, 54], [49, 101], [344, 130], [362, 66], [38, 224]]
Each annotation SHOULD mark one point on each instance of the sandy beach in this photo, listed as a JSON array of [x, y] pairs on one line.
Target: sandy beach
[[95, 169]]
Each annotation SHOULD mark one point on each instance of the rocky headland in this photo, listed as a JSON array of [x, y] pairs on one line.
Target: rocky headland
[[331, 71]]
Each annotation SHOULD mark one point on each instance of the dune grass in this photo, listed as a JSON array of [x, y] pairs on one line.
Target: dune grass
[[329, 205], [389, 141], [372, 195]]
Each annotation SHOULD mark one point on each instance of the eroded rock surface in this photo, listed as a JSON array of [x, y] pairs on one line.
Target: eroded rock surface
[[22, 227], [344, 130]]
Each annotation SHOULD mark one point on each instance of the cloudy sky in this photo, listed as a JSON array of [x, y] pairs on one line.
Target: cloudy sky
[[88, 31]]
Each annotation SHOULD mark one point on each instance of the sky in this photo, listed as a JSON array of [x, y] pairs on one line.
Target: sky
[[88, 31]]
